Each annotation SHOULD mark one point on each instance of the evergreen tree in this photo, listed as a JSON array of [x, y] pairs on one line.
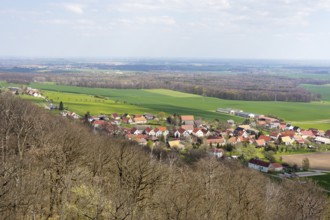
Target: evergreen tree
[[86, 118], [61, 107]]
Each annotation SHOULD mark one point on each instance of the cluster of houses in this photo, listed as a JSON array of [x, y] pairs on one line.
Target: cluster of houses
[[280, 133], [28, 91], [134, 127], [69, 114], [33, 92], [14, 90], [192, 131]]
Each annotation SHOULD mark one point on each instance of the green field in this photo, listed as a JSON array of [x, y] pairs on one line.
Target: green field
[[315, 114], [6, 85], [81, 103], [3, 84], [323, 90], [323, 181], [300, 75]]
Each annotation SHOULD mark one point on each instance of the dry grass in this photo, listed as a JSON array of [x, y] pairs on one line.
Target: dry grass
[[316, 160]]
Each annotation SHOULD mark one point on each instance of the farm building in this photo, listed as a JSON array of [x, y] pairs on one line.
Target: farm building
[[227, 111], [322, 140], [259, 165], [245, 114]]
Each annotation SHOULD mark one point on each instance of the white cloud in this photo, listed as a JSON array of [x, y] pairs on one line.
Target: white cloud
[[170, 5], [145, 21], [75, 8], [55, 21], [163, 20], [130, 6]]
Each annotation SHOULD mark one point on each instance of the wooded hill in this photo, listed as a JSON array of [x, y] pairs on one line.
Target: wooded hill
[[54, 168]]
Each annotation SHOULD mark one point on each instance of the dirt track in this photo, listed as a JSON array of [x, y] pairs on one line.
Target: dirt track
[[317, 160]]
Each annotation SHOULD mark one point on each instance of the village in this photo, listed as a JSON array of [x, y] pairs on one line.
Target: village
[[226, 140]]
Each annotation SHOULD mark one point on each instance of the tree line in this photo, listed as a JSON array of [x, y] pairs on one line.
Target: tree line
[[55, 168]]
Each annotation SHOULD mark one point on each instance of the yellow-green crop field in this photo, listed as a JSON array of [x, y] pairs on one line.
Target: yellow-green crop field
[[81, 100]]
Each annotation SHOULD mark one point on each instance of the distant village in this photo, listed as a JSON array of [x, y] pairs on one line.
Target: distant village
[[186, 131]]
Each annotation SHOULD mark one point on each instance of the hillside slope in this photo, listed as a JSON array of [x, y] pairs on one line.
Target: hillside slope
[[52, 168]]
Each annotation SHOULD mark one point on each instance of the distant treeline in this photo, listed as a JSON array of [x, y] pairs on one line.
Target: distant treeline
[[244, 86], [53, 168]]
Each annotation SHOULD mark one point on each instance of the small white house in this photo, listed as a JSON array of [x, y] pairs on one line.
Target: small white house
[[198, 132], [181, 133], [259, 165], [322, 140], [217, 152], [277, 167]]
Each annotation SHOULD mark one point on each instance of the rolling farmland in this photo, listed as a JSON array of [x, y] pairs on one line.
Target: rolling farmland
[[315, 114]]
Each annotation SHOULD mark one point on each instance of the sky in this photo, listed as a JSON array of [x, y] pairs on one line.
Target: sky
[[230, 29]]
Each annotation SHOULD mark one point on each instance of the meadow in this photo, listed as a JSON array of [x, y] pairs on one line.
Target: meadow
[[3, 84], [82, 103], [323, 90], [323, 180], [315, 114]]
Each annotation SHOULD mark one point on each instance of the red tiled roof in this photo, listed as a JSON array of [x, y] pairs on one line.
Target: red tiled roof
[[99, 122], [204, 131], [262, 123], [139, 136], [274, 134], [244, 139], [181, 130], [217, 150], [301, 141], [219, 140], [288, 133], [282, 126], [260, 142], [142, 118], [259, 162], [148, 129], [162, 129], [188, 127], [187, 118], [307, 133], [327, 133], [232, 139], [265, 138], [267, 119], [196, 130], [133, 130], [276, 165]]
